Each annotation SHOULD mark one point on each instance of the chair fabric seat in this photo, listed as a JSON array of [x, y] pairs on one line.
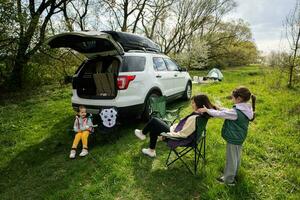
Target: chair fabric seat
[[185, 142]]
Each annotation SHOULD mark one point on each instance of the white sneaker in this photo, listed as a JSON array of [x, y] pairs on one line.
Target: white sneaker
[[138, 133], [72, 154], [84, 152], [148, 152]]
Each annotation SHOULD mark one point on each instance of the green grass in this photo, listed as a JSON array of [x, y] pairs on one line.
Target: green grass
[[36, 137]]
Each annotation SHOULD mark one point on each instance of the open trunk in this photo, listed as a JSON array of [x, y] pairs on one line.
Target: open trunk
[[97, 79]]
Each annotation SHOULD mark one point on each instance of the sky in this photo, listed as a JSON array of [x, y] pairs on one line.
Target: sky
[[266, 18]]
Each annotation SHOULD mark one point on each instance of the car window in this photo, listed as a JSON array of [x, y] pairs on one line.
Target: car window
[[159, 64], [171, 65], [133, 64]]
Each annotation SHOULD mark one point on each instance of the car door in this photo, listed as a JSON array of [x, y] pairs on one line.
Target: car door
[[177, 77], [89, 43], [162, 75]]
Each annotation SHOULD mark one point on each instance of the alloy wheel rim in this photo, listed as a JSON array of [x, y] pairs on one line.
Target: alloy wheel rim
[[189, 92]]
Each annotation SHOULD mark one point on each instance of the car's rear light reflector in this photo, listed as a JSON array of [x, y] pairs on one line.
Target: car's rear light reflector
[[123, 81]]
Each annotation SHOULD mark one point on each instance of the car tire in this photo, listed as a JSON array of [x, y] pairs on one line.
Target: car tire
[[187, 92], [147, 110]]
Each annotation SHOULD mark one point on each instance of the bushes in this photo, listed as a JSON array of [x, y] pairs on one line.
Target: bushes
[[44, 68]]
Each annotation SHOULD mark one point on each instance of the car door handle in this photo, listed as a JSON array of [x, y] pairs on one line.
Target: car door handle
[[158, 76], [175, 75]]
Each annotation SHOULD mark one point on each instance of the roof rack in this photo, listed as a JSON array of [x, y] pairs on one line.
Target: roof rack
[[142, 51]]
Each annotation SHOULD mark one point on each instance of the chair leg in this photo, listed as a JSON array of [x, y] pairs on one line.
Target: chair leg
[[183, 162], [204, 150], [200, 154], [178, 154], [167, 162], [195, 161], [197, 154]]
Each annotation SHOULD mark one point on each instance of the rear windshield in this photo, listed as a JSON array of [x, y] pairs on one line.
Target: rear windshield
[[133, 64]]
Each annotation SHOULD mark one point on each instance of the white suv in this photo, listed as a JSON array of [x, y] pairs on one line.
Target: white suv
[[122, 71]]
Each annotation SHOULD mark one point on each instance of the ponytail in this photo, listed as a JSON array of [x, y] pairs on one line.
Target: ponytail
[[253, 100]]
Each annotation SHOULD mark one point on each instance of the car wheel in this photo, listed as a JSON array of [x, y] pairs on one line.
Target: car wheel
[[147, 110], [188, 91]]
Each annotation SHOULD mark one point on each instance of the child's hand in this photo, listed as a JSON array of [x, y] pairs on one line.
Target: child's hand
[[202, 110]]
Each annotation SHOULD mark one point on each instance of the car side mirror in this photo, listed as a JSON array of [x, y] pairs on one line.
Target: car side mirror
[[182, 69]]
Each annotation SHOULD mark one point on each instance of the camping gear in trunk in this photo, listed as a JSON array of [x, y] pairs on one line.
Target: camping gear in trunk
[[97, 78]]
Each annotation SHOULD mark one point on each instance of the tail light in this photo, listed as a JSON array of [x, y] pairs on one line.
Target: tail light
[[123, 81]]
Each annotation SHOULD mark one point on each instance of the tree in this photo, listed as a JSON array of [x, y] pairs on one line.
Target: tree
[[230, 44], [75, 13], [188, 18], [155, 12], [277, 59], [292, 25], [126, 13], [30, 20], [195, 56]]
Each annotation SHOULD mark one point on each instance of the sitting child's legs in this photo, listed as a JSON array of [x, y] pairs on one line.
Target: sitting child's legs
[[85, 135], [76, 140], [155, 125]]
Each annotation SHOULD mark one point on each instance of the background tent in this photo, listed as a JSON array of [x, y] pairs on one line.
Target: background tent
[[215, 74]]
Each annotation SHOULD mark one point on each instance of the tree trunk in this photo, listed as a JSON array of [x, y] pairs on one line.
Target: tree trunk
[[16, 80], [290, 84]]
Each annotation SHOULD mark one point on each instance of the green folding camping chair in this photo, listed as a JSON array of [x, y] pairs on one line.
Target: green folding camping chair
[[158, 109], [195, 143]]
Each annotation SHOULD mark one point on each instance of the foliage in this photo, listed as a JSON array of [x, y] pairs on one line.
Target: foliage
[[36, 140], [238, 54], [277, 59], [195, 57], [230, 44], [24, 33], [192, 32]]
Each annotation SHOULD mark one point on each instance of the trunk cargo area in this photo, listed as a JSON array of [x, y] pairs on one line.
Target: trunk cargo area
[[97, 78]]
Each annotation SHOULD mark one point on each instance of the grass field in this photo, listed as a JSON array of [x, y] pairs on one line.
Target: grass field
[[36, 136]]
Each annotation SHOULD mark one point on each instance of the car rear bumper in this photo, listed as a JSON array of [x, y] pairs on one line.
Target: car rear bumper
[[122, 111]]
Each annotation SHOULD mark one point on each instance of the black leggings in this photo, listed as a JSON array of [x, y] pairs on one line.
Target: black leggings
[[155, 127]]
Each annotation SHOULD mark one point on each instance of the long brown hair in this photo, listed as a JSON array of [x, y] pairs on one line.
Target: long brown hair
[[245, 94], [202, 99]]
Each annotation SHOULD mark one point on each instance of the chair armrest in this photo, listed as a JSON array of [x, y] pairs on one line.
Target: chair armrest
[[175, 111], [169, 137]]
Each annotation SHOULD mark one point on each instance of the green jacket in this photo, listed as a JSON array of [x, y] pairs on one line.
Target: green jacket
[[235, 131]]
